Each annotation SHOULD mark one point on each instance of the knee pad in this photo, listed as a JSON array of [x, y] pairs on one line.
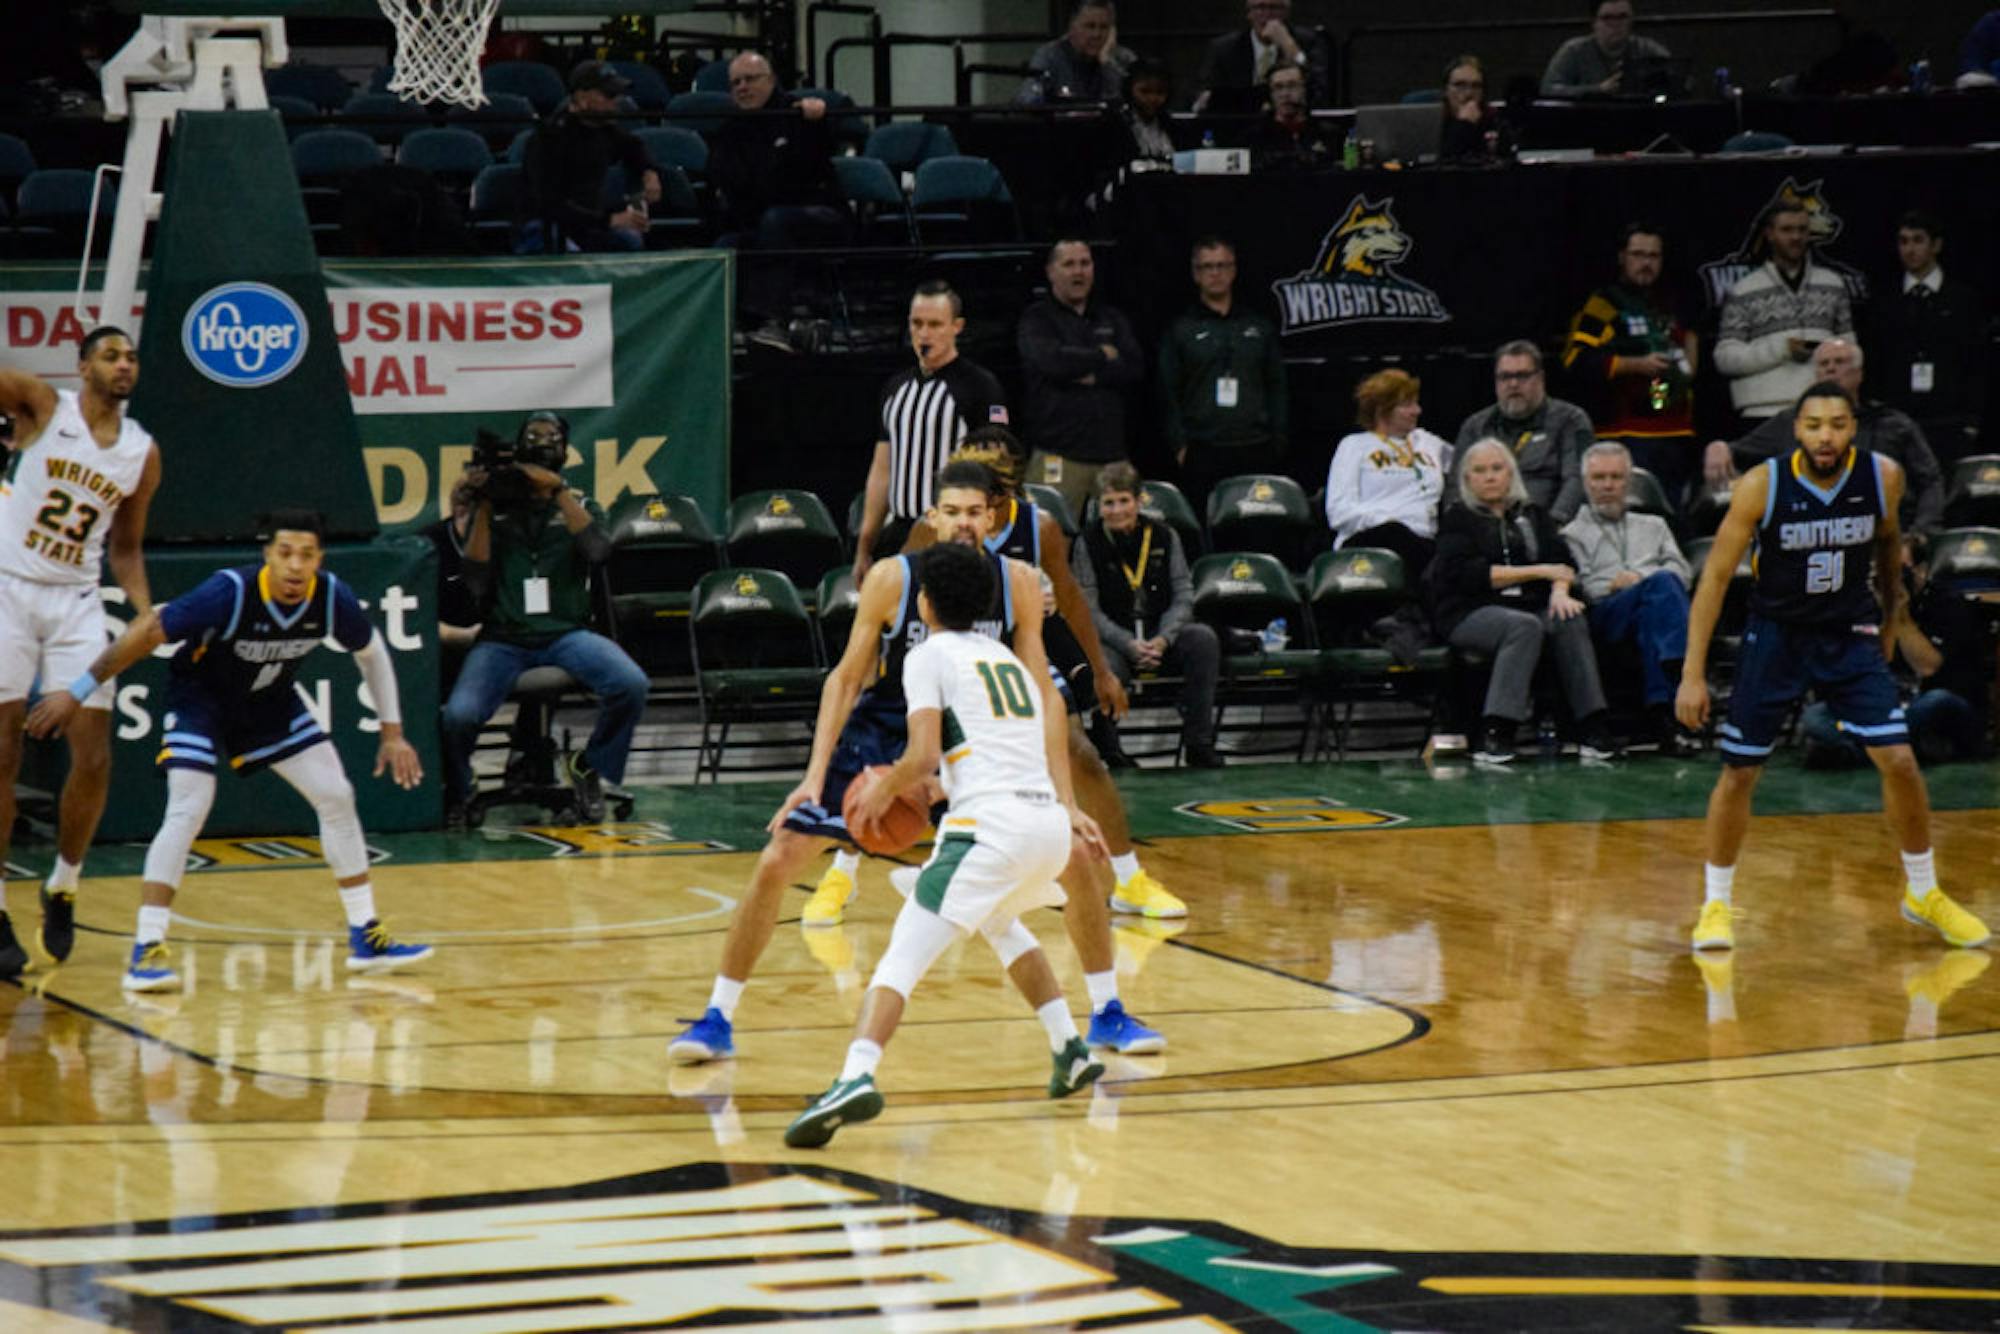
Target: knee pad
[[190, 792], [1011, 943]]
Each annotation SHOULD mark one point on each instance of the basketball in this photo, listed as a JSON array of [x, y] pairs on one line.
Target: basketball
[[906, 820]]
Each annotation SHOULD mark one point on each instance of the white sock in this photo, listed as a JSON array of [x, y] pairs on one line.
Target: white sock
[[727, 993], [1125, 865], [1103, 988], [1720, 880], [359, 903], [1056, 1022], [1920, 868], [863, 1056], [66, 873], [846, 862], [153, 924]]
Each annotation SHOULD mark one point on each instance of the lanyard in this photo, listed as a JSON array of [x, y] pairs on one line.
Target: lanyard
[[1135, 575]]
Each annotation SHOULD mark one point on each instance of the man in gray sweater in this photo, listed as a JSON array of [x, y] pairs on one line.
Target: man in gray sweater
[[1632, 573]]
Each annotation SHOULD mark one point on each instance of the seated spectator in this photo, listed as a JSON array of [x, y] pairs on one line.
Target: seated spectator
[[1239, 63], [1085, 64], [1930, 343], [1473, 130], [1629, 341], [1635, 581], [1135, 576], [1599, 63], [564, 167], [1148, 89], [1979, 56], [1387, 480], [773, 176], [1775, 316], [1946, 645], [1287, 136], [1502, 587], [1880, 428], [1548, 435]]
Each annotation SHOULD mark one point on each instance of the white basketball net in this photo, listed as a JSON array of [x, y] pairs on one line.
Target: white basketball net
[[437, 49]]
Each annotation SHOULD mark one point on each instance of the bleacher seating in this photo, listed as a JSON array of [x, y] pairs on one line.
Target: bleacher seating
[[540, 84]]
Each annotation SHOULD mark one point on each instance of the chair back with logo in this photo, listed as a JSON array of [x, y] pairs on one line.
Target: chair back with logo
[[660, 545], [1262, 512], [784, 529], [756, 661]]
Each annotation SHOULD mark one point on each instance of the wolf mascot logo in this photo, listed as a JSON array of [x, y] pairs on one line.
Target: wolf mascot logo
[[1824, 225], [1353, 279]]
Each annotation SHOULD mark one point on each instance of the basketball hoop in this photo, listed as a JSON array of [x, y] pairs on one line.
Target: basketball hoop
[[437, 49]]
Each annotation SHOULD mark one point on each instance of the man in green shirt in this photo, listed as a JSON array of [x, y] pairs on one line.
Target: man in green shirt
[[528, 558], [1223, 377]]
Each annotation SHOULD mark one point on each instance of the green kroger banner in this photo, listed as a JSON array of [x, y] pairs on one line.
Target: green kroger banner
[[396, 580], [632, 349]]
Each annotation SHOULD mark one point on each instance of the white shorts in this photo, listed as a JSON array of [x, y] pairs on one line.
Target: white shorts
[[50, 632], [995, 859]]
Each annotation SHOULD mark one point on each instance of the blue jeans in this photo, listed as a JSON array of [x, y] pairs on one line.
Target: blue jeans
[[1654, 614], [491, 669]]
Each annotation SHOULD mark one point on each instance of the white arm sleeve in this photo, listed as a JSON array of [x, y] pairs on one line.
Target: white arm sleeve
[[380, 676]]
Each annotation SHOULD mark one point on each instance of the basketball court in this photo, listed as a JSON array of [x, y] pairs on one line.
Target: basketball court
[[1439, 1058]]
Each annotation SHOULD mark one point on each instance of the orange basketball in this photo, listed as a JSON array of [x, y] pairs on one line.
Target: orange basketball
[[906, 820]]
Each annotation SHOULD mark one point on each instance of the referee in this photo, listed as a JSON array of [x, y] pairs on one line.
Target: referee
[[926, 411]]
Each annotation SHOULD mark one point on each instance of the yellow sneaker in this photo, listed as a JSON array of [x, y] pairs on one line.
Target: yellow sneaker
[[1147, 897], [1713, 930], [836, 887], [1955, 924], [1956, 970]]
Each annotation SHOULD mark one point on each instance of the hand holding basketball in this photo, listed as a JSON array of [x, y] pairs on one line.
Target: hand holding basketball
[[883, 824]]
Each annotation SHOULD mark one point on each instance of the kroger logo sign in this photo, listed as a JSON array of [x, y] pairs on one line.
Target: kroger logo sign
[[244, 335]]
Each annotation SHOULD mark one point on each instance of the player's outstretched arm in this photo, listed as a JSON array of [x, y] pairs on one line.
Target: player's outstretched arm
[[395, 756], [29, 402], [54, 710], [124, 552], [1075, 609], [1732, 539], [881, 590]]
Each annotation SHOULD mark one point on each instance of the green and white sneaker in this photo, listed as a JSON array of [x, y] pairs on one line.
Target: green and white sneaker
[[846, 1101], [1074, 1070]]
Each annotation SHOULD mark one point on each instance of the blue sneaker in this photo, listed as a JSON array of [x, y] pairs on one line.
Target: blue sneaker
[[844, 1102], [369, 949], [1112, 1027], [706, 1039], [151, 969]]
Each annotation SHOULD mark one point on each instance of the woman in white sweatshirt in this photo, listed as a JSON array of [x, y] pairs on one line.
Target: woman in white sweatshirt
[[1387, 479]]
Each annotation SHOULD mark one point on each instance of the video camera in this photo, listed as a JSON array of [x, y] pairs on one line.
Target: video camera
[[543, 442]]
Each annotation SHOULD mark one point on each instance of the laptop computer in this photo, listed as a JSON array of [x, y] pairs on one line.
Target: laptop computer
[[1401, 132]]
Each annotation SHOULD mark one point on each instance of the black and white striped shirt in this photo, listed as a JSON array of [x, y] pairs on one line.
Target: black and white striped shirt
[[923, 419]]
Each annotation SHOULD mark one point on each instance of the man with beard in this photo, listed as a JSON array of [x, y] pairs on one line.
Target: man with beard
[[1775, 316], [1548, 435]]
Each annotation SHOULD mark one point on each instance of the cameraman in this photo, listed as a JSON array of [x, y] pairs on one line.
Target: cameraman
[[528, 557]]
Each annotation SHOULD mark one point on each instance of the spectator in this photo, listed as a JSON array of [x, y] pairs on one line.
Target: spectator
[[1979, 56], [773, 174], [1085, 64], [1600, 62], [565, 167], [1775, 316], [1629, 342], [1223, 378], [527, 560], [1503, 589], [1635, 581], [1387, 479], [1947, 647], [926, 411], [1135, 576], [1930, 343], [1149, 87], [1548, 435], [1286, 135], [1473, 130], [1879, 428], [1239, 62], [1078, 355]]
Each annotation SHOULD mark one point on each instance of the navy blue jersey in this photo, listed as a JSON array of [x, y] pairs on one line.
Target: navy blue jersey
[[237, 642], [1022, 537], [1815, 550], [906, 630]]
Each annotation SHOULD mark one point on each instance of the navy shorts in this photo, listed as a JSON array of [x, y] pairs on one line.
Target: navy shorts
[[250, 732], [876, 733], [1781, 662], [1068, 665]]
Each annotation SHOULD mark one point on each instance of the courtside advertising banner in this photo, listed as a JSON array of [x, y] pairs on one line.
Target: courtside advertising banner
[[632, 350]]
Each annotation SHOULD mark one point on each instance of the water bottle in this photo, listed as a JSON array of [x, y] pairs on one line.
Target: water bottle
[[1275, 636], [1208, 138], [1722, 82], [1350, 153]]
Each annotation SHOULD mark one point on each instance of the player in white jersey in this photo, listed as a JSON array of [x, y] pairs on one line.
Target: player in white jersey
[[1000, 733], [75, 499]]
